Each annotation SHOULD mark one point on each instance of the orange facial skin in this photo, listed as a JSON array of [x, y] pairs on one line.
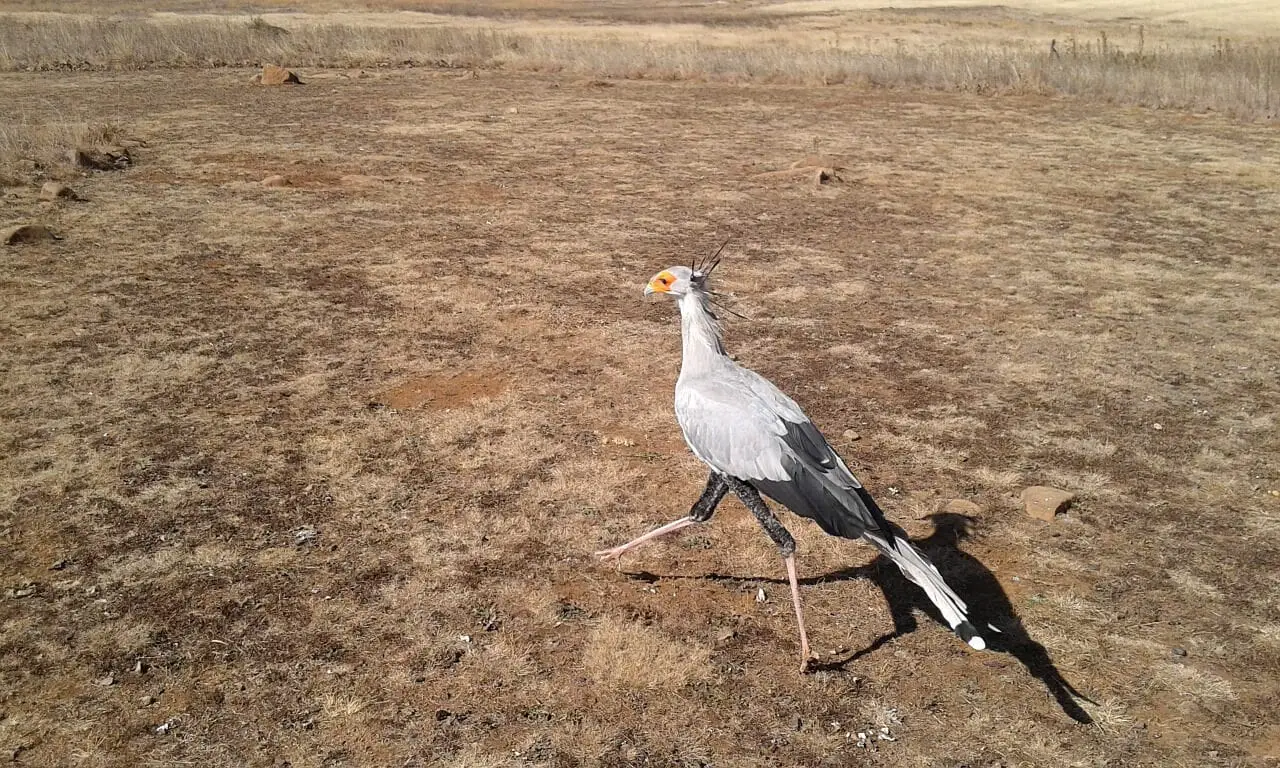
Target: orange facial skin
[[662, 282]]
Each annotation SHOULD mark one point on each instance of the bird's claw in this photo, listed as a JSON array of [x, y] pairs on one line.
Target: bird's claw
[[606, 555], [807, 660]]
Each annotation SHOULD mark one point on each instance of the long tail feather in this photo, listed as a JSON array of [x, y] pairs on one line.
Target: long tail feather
[[917, 568]]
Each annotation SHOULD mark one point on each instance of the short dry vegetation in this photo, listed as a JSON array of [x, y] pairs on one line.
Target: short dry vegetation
[[1125, 63], [311, 474], [38, 146]]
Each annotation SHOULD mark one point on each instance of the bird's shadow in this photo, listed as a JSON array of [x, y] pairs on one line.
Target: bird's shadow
[[988, 604]]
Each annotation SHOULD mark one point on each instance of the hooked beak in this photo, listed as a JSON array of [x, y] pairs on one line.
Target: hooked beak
[[648, 290]]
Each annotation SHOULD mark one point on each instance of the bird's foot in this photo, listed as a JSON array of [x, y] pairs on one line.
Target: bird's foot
[[616, 553], [807, 658]]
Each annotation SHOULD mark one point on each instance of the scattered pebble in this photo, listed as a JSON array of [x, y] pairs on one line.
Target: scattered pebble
[[166, 726], [58, 565], [1157, 426], [274, 75], [147, 700], [106, 682], [305, 535], [114, 158], [1179, 651], [21, 234], [761, 596], [961, 507], [1045, 503], [849, 434], [53, 190], [25, 589]]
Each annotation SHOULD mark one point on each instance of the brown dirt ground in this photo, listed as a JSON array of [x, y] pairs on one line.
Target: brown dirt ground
[[219, 550]]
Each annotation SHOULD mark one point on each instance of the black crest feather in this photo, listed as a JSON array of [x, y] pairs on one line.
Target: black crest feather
[[702, 271]]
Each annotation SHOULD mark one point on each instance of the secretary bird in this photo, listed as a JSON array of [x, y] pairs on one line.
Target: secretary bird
[[756, 440]]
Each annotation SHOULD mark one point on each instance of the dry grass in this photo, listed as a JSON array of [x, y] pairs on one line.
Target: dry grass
[[1239, 78], [201, 502], [630, 655], [34, 147]]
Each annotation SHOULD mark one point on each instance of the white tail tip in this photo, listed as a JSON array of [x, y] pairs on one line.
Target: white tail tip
[[977, 643]]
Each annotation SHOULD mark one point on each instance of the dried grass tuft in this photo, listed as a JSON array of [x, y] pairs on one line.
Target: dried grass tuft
[[33, 149], [628, 655]]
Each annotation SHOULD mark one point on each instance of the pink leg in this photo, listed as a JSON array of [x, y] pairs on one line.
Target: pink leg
[[616, 552], [805, 656]]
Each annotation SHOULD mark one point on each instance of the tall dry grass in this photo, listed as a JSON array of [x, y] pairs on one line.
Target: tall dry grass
[[1242, 80], [34, 148]]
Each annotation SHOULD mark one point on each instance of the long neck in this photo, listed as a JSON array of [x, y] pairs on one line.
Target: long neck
[[703, 346]]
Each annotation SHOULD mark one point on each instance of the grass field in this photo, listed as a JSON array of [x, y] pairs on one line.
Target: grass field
[[221, 547]]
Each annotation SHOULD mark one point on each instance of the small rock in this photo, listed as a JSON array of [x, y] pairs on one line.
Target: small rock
[[58, 565], [273, 75], [26, 590], [25, 234], [961, 507], [276, 180], [513, 110], [305, 535], [1045, 503], [147, 700], [1179, 651], [823, 176], [53, 190], [725, 635], [107, 681], [139, 667], [761, 596], [115, 158], [849, 434]]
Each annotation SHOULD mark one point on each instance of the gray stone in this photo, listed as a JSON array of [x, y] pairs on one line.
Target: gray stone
[[1045, 503]]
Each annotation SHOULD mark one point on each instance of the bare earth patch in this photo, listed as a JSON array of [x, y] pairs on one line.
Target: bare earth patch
[[442, 391], [216, 553]]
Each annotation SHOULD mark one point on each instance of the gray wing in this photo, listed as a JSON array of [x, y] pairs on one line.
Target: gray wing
[[731, 429], [743, 426]]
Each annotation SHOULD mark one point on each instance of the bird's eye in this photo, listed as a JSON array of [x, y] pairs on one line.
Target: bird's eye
[[665, 281]]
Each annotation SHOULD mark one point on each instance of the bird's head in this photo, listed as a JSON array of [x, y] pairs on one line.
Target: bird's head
[[675, 281], [681, 281]]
